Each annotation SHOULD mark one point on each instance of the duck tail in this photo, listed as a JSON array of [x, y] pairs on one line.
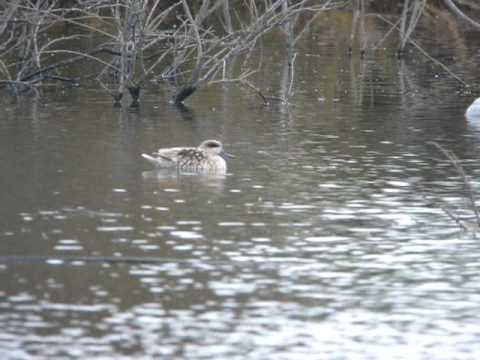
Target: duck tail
[[150, 159]]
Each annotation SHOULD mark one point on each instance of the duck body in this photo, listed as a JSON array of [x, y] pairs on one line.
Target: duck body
[[473, 111], [207, 157]]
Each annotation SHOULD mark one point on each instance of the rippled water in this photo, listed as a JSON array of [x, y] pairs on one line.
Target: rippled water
[[326, 239]]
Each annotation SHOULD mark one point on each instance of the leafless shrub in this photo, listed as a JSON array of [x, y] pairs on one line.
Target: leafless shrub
[[404, 25], [190, 44], [25, 41]]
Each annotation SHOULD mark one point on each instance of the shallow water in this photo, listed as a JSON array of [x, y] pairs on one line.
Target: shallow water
[[326, 239]]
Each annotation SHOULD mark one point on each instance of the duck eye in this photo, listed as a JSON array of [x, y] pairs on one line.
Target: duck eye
[[213, 145]]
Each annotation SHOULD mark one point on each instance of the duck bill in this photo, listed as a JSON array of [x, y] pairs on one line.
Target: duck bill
[[226, 155]]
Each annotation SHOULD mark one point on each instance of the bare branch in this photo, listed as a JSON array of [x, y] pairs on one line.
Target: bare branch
[[451, 5]]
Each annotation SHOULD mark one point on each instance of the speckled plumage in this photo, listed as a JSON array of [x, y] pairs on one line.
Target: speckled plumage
[[208, 156]]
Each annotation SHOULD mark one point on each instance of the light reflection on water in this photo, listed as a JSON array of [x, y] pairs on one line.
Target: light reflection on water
[[325, 240]]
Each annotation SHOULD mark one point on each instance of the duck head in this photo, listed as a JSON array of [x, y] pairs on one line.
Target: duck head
[[214, 148]]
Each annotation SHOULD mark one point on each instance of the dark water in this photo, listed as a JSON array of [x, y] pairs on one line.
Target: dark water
[[326, 240]]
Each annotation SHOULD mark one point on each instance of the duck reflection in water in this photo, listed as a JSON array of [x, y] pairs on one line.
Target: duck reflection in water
[[205, 182]]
